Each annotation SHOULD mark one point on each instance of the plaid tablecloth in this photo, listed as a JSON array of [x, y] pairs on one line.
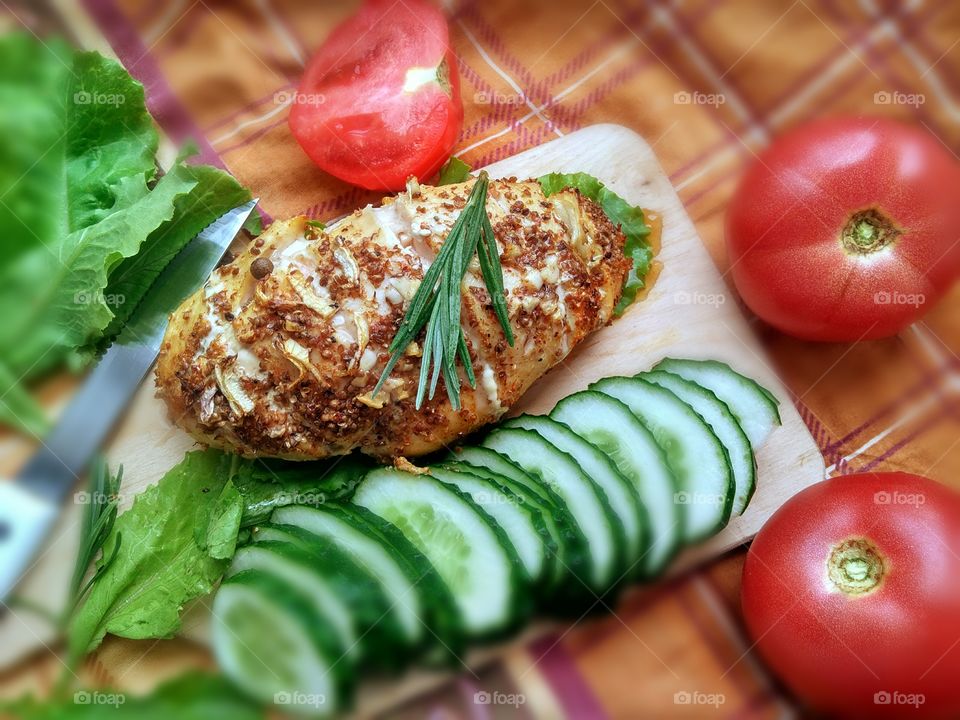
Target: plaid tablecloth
[[707, 82]]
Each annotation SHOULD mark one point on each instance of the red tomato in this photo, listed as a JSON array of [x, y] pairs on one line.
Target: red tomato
[[380, 100], [846, 229], [852, 594]]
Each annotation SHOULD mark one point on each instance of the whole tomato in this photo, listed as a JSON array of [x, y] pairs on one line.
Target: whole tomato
[[851, 592], [846, 229], [380, 99]]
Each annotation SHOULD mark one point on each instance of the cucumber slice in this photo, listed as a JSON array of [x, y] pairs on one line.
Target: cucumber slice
[[754, 407], [349, 532], [360, 593], [269, 640], [609, 425], [294, 567], [597, 466], [725, 427], [560, 535], [522, 524], [465, 545], [695, 455], [584, 499]]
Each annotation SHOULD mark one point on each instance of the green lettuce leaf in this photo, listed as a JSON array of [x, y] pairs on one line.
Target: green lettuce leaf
[[453, 171], [177, 539], [214, 192], [191, 696], [160, 564], [628, 217], [79, 200]]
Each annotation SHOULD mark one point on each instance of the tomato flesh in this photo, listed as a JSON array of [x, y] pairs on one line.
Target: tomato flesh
[[852, 594], [380, 100], [792, 227]]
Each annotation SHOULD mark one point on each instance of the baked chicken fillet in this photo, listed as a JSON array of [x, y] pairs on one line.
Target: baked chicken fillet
[[278, 354]]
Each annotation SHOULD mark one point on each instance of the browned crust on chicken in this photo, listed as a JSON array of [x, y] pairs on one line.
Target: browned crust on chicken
[[284, 366]]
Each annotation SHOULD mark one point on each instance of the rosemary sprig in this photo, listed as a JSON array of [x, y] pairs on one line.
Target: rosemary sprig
[[437, 302], [99, 516]]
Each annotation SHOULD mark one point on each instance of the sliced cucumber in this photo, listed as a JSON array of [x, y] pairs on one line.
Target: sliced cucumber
[[696, 456], [269, 640], [296, 568], [754, 407], [465, 545], [562, 534], [522, 523], [609, 425], [584, 499], [358, 591], [725, 427], [401, 581], [597, 466]]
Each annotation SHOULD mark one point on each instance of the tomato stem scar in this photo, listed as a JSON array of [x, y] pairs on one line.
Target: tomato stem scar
[[856, 566], [868, 231]]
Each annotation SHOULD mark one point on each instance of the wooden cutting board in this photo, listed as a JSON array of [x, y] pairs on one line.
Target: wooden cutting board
[[688, 313]]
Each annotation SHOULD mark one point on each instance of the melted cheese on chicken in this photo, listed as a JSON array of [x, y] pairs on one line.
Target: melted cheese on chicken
[[285, 365]]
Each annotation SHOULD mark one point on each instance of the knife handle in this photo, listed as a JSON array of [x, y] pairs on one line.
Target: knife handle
[[25, 520]]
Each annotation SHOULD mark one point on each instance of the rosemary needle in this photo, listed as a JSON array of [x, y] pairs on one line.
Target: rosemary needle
[[437, 302]]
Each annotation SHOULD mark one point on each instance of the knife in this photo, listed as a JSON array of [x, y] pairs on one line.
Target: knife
[[30, 504]]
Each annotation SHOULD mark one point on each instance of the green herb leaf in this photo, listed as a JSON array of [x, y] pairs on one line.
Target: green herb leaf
[[628, 217], [160, 565], [437, 302], [80, 198], [100, 514], [221, 536], [192, 696], [453, 171], [214, 192]]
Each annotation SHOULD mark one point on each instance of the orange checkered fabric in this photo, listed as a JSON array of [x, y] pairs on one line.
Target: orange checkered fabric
[[707, 83]]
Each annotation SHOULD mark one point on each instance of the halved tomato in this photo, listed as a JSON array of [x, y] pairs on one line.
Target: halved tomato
[[380, 100]]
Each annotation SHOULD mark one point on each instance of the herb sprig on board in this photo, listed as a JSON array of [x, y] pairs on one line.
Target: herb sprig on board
[[437, 302]]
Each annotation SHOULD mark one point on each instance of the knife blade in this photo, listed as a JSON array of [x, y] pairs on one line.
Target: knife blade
[[31, 504]]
